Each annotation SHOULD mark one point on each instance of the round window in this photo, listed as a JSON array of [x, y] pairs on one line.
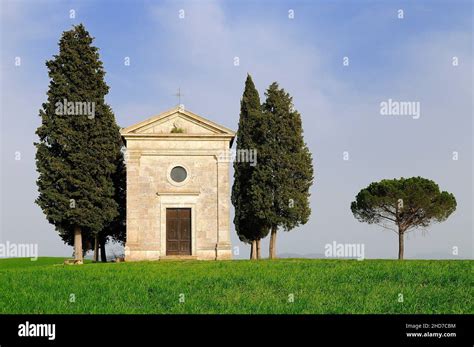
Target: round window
[[178, 174]]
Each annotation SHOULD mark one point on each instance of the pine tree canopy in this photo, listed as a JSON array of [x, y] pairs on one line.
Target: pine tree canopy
[[403, 204]]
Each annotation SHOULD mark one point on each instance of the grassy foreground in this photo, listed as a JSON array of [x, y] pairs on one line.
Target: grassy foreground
[[317, 286]]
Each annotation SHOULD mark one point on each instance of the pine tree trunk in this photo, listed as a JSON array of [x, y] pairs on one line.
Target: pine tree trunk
[[400, 244], [253, 250], [103, 255], [78, 244], [96, 248], [258, 249], [273, 243]]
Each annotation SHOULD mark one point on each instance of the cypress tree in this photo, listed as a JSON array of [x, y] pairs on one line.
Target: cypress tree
[[78, 153], [248, 226], [116, 230], [282, 180]]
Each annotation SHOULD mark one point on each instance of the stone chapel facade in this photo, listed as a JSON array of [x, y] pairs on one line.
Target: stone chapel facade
[[178, 188]]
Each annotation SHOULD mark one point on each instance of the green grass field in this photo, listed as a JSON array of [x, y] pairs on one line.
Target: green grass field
[[241, 286]]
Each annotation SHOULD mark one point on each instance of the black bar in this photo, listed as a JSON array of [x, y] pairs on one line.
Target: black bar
[[210, 329]]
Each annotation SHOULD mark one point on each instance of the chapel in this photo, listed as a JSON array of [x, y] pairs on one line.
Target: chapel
[[178, 188]]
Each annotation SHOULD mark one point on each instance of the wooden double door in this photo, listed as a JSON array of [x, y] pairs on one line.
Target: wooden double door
[[178, 231]]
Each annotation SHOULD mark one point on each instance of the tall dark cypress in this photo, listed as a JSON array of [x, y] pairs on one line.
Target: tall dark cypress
[[249, 227], [116, 229], [285, 172], [78, 152]]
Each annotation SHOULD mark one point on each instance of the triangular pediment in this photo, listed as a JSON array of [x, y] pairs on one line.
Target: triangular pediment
[[177, 118]]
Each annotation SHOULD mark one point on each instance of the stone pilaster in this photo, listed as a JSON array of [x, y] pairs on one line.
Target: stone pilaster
[[132, 208], [224, 248]]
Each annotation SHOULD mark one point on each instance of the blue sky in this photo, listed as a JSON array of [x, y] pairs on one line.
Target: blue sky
[[402, 59]]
